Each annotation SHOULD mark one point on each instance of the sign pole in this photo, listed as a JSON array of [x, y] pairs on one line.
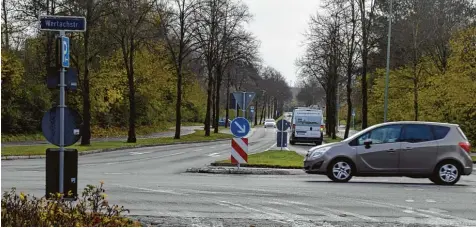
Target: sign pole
[[62, 106]]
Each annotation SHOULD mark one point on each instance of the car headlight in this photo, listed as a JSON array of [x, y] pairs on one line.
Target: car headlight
[[317, 153]]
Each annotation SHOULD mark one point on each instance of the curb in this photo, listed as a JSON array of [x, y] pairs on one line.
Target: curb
[[110, 149], [216, 164], [243, 171]]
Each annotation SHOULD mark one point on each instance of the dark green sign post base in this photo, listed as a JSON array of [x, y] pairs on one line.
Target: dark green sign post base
[[70, 172]]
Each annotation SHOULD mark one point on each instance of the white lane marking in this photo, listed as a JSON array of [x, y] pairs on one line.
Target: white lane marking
[[151, 190], [277, 216], [309, 208], [430, 201], [274, 145], [350, 213], [214, 155], [213, 147], [117, 173], [197, 150], [442, 219], [410, 200], [149, 158], [135, 153]]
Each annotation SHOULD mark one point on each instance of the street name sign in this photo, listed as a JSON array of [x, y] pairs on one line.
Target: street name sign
[[62, 23]]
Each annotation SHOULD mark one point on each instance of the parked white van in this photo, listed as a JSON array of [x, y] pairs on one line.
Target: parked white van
[[307, 126]]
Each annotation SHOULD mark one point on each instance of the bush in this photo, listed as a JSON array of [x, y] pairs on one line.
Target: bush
[[91, 210]]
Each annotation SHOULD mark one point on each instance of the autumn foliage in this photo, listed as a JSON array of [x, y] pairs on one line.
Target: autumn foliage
[[92, 209]]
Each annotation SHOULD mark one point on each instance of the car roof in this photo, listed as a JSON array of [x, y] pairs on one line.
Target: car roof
[[418, 122]]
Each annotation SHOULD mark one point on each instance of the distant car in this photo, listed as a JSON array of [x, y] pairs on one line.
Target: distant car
[[438, 151], [221, 122], [269, 123]]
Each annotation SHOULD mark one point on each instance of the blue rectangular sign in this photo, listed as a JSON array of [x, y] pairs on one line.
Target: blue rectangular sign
[[65, 51], [63, 23]]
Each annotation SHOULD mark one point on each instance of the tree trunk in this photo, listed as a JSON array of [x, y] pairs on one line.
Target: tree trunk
[[217, 97], [209, 103], [178, 105], [255, 113], [415, 97], [227, 110], [6, 32], [131, 138], [214, 117], [86, 131]]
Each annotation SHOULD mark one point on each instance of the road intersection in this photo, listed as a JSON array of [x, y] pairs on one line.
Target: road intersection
[[151, 182]]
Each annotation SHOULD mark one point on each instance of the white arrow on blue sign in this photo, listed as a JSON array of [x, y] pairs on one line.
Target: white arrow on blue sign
[[65, 51], [240, 127]]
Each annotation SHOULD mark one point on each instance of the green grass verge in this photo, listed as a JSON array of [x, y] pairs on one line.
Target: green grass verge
[[102, 132], [331, 140], [40, 149], [474, 158], [271, 159]]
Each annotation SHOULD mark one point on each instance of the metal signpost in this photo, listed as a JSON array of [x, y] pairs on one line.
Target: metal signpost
[[282, 136], [62, 24]]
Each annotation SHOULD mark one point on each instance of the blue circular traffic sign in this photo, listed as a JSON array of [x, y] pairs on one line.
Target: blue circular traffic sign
[[240, 127], [283, 125]]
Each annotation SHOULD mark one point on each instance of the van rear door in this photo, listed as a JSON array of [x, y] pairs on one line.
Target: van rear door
[[308, 126]]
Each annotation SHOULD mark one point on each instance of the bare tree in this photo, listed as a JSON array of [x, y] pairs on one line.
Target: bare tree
[[129, 28], [176, 22], [367, 16]]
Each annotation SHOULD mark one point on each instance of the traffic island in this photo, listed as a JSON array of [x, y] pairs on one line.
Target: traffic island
[[272, 162], [243, 171]]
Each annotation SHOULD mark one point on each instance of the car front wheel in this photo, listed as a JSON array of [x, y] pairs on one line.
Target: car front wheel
[[446, 173], [340, 170]]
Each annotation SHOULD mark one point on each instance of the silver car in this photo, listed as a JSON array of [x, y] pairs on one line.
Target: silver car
[[270, 123], [438, 151]]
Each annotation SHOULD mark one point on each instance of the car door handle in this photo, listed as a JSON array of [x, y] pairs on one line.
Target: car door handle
[[391, 150], [408, 148]]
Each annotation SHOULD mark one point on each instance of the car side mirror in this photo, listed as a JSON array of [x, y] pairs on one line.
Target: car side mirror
[[367, 143]]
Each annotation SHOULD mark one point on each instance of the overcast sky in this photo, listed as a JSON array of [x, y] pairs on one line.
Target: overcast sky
[[280, 25]]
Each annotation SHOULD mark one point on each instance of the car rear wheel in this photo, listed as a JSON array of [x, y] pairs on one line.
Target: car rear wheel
[[340, 170], [446, 173]]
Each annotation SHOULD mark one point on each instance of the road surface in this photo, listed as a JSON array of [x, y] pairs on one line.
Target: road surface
[[151, 183]]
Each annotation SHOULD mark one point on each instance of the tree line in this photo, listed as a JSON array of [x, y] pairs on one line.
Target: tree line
[[139, 63], [432, 61]]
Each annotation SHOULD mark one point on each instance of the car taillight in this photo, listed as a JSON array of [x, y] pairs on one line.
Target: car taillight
[[466, 146]]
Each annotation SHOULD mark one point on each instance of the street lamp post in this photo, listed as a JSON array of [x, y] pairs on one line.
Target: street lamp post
[[388, 63]]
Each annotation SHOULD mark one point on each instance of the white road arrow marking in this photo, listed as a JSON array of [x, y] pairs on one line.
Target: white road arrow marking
[[242, 128]]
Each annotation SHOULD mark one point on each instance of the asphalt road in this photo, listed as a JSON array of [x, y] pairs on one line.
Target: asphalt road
[[151, 183]]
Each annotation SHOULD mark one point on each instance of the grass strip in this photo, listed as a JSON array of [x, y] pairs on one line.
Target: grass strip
[[474, 158], [41, 149], [98, 132], [284, 159], [328, 139]]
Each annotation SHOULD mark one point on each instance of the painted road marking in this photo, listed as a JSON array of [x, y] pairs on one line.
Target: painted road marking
[[198, 150], [150, 190], [274, 145], [410, 200], [430, 201], [214, 155], [135, 153]]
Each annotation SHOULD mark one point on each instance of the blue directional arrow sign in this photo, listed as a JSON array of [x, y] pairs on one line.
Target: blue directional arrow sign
[[240, 127], [65, 51], [62, 23]]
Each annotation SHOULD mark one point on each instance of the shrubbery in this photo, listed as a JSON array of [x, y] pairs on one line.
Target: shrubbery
[[92, 209]]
